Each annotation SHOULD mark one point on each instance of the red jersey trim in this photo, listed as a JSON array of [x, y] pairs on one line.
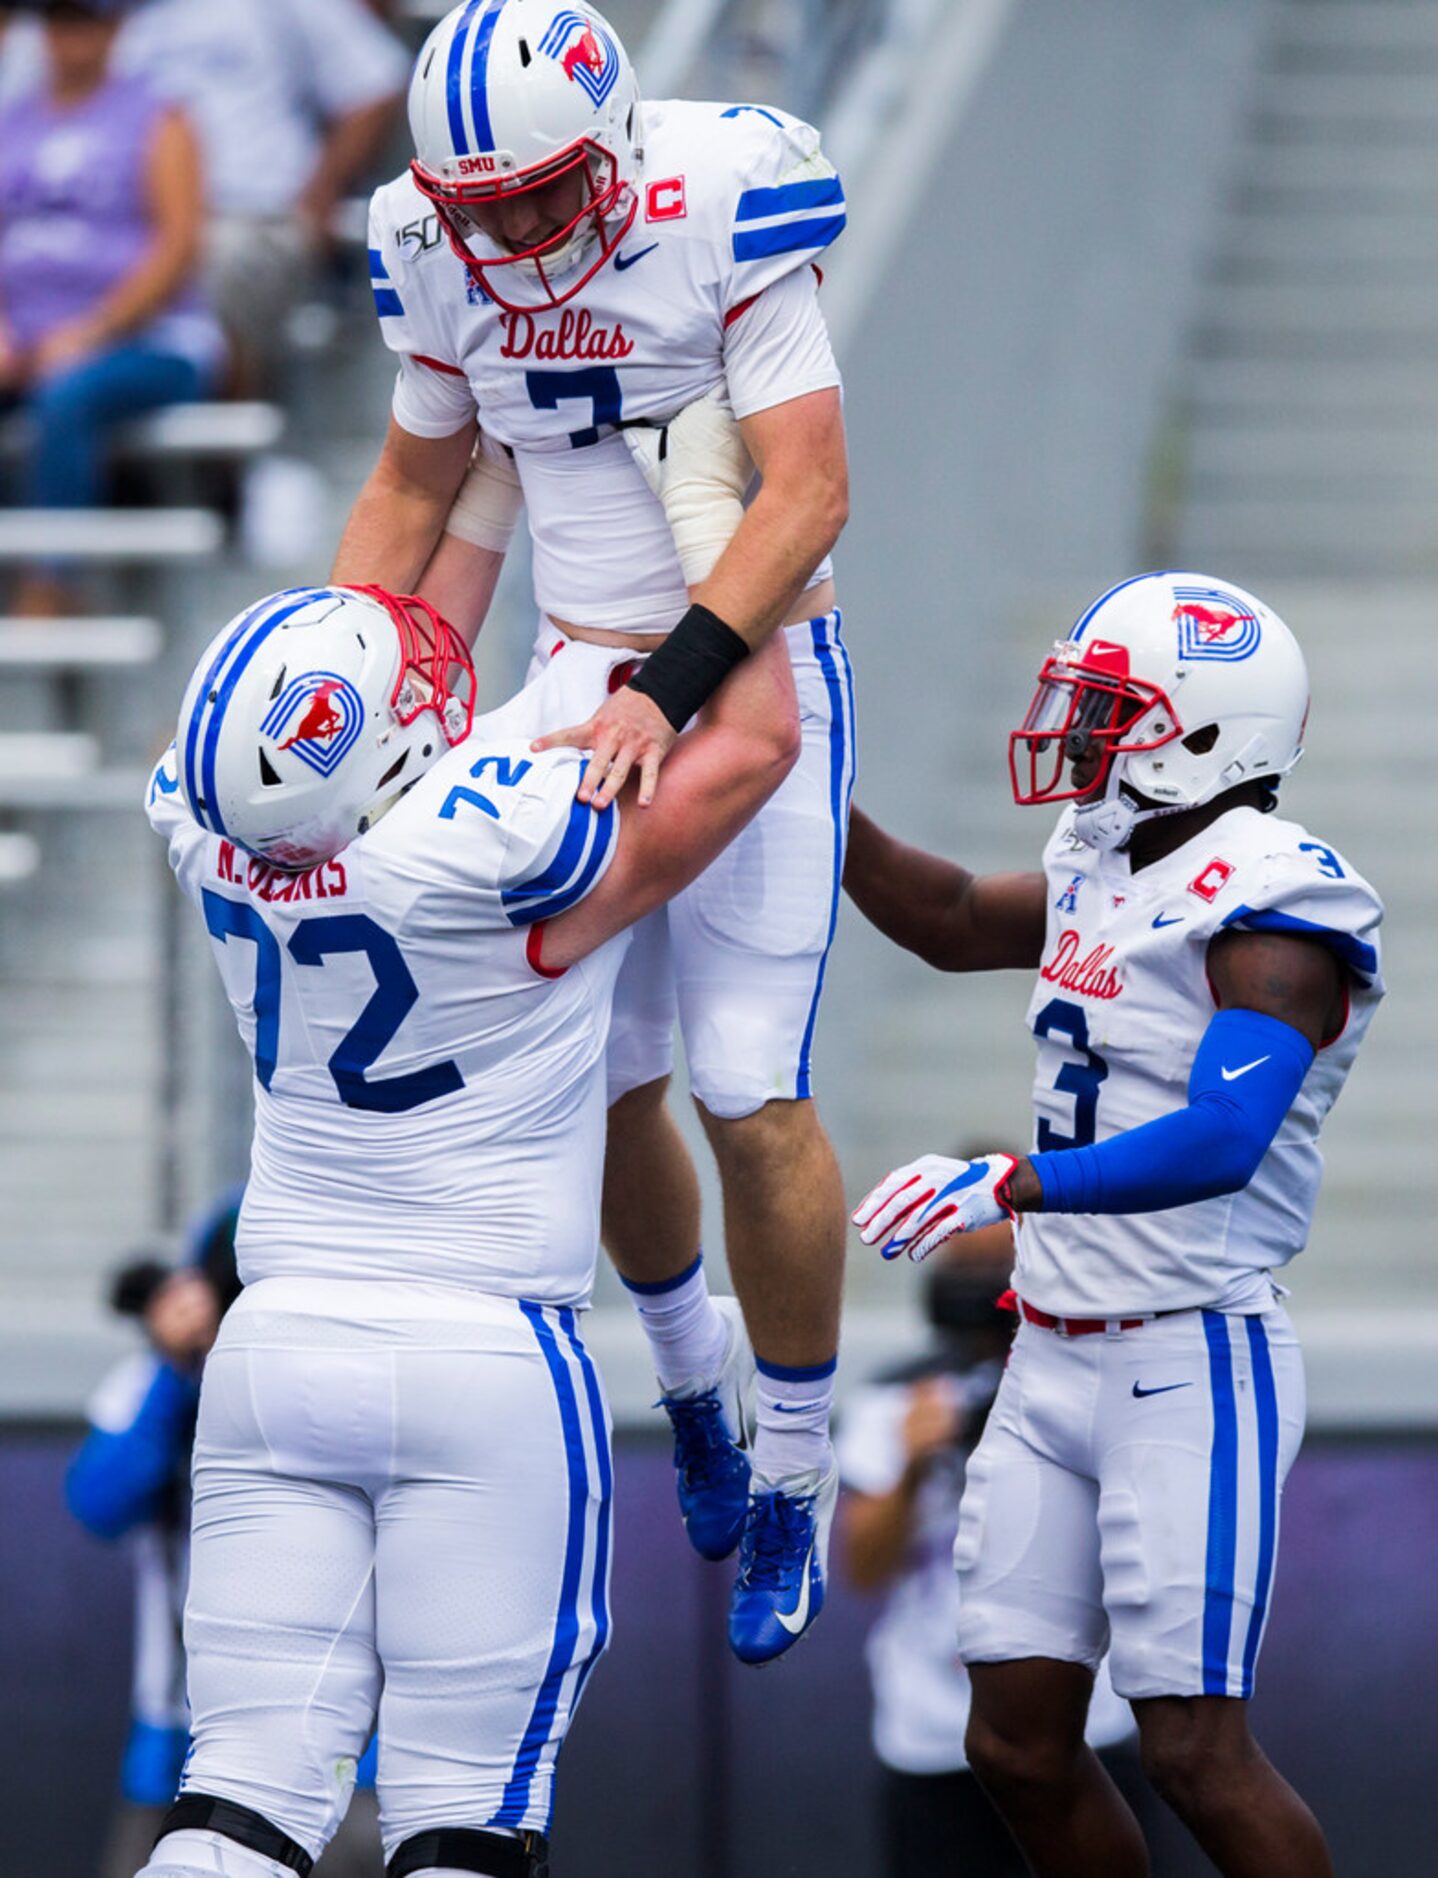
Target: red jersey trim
[[533, 946], [438, 365]]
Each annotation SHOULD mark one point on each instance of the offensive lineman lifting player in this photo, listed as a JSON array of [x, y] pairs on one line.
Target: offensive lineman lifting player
[[573, 268], [1125, 1495], [402, 1477]]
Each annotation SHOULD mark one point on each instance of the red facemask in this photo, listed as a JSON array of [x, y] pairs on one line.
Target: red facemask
[[608, 205], [1084, 707]]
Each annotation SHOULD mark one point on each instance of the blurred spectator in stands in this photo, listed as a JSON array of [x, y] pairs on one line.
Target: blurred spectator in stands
[[129, 1479], [99, 233], [22, 54], [902, 1447], [293, 100]]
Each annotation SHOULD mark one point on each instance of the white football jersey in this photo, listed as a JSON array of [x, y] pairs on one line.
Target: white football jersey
[[733, 200], [1121, 1004], [428, 1104]]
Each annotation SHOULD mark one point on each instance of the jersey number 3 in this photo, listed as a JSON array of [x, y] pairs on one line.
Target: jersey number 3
[[1080, 1080], [395, 996]]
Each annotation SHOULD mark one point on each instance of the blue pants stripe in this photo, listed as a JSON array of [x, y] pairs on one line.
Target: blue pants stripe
[[600, 1596], [1265, 1402], [516, 1800], [839, 684], [1222, 1508]]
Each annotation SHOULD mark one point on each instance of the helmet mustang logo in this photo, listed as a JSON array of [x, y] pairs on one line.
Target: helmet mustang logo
[[1211, 625], [585, 51], [328, 715], [321, 720], [588, 55]]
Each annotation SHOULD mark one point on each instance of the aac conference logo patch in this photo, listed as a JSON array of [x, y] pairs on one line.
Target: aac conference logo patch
[[327, 715], [1213, 624]]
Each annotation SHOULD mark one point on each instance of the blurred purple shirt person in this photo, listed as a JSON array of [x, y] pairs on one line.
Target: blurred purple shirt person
[[99, 225]]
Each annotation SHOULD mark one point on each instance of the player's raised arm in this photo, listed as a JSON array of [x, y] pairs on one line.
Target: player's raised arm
[[719, 777], [954, 920]]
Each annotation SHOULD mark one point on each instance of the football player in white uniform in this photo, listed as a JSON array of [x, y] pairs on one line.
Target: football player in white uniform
[[1206, 973], [402, 1471], [574, 268]]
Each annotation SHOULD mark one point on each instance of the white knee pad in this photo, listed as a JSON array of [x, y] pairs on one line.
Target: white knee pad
[[192, 1854]]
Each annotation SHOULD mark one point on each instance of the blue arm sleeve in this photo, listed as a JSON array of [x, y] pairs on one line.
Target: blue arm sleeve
[[1247, 1071], [116, 1479]]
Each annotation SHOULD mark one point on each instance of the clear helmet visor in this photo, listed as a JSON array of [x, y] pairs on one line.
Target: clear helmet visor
[[1082, 716]]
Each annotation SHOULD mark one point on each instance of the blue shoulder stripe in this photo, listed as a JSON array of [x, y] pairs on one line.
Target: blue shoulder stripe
[[554, 904], [825, 192], [387, 303], [377, 268], [1356, 953], [755, 244], [561, 869]]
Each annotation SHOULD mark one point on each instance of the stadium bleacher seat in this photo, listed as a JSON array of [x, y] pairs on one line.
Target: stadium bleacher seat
[[208, 431], [111, 536], [56, 645]]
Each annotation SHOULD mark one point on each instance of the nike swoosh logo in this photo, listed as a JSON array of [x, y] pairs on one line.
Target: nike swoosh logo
[[789, 1408], [1159, 920], [795, 1620], [1232, 1075], [1162, 1389], [621, 261]]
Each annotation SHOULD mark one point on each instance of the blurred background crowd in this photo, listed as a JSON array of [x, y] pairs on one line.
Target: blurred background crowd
[[1134, 284]]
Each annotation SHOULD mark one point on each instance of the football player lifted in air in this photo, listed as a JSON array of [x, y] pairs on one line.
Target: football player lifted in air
[[1206, 973], [570, 267], [402, 1469]]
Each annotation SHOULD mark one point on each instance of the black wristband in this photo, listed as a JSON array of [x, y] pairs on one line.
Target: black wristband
[[686, 671]]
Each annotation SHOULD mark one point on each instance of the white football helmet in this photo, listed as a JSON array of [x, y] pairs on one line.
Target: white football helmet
[[1181, 686], [525, 117], [312, 713]]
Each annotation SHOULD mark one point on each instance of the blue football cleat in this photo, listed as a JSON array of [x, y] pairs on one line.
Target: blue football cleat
[[711, 1438], [783, 1559]]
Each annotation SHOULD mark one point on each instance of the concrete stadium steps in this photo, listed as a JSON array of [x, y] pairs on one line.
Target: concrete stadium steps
[[1308, 389]]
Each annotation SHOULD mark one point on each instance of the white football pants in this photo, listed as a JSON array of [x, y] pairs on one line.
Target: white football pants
[[401, 1511]]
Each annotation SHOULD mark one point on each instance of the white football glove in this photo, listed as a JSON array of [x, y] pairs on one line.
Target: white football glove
[[699, 468], [487, 505], [921, 1204]]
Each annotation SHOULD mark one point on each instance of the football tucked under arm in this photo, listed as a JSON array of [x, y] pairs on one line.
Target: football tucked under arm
[[700, 469]]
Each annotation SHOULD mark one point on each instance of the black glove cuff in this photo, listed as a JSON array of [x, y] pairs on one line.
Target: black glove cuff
[[690, 666]]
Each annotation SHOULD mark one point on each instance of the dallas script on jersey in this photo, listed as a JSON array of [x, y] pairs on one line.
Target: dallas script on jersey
[[1091, 976], [575, 337]]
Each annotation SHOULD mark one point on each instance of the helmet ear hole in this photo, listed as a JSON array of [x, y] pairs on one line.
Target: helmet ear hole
[[394, 769], [270, 777], [1200, 742]]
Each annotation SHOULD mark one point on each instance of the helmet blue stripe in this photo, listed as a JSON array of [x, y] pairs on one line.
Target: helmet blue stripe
[[479, 71], [455, 78], [227, 688], [192, 734]]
